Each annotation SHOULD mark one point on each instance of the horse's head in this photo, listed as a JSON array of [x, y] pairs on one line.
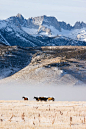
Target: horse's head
[[23, 97], [34, 97]]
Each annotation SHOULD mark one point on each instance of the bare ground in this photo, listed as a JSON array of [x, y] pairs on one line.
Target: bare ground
[[42, 115]]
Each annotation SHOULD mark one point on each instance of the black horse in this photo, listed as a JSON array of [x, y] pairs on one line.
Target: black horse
[[37, 98]]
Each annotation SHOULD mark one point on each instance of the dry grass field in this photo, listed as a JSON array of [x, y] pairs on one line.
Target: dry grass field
[[42, 115]]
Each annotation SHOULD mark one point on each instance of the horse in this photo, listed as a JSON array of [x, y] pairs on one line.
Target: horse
[[40, 98], [43, 98], [25, 98], [37, 99], [51, 98]]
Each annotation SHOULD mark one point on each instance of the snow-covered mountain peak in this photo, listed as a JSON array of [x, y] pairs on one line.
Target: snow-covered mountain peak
[[25, 32], [17, 20], [44, 20]]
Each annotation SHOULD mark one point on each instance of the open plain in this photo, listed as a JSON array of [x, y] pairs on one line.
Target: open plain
[[42, 115]]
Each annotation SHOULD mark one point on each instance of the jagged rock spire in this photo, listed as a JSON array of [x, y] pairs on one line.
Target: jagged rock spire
[[19, 16]]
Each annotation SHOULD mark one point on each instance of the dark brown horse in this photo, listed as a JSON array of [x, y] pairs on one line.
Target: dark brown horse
[[41, 98], [25, 98]]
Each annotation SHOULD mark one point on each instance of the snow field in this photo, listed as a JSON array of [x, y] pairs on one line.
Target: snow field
[[36, 115]]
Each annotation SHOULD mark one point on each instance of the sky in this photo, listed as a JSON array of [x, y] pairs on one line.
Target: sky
[[69, 11]]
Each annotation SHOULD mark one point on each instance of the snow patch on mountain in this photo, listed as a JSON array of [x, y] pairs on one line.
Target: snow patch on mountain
[[54, 31], [36, 32], [82, 35], [3, 24], [76, 34], [31, 31], [9, 29]]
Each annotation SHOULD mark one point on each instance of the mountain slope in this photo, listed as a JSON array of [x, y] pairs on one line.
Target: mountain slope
[[3, 40], [59, 65], [16, 36]]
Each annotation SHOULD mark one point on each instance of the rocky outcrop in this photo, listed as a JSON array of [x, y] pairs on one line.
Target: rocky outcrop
[[79, 25], [44, 29], [44, 21], [17, 20], [65, 26], [51, 21]]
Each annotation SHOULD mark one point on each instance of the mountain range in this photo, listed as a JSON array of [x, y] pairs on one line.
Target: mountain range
[[41, 31]]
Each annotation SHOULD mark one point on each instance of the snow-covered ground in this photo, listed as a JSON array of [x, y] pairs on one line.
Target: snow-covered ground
[[42, 115]]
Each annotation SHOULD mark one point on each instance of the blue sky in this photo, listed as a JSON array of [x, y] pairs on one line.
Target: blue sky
[[69, 11]]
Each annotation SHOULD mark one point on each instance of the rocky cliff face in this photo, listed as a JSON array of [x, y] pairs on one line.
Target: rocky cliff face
[[65, 26]]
